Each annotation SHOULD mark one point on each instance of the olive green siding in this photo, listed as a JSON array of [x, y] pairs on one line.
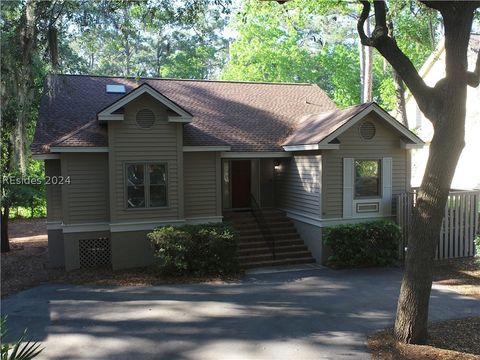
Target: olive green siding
[[53, 192], [85, 199], [386, 143], [200, 178], [299, 184], [161, 143]]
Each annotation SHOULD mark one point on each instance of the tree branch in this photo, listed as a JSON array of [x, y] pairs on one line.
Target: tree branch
[[389, 49], [473, 77]]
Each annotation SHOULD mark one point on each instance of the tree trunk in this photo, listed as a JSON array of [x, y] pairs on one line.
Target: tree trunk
[[400, 98], [5, 242]]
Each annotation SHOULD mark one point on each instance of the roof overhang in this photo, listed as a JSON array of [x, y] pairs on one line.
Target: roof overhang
[[78, 149], [205, 148], [413, 141], [311, 147], [255, 155], [45, 156], [108, 114]]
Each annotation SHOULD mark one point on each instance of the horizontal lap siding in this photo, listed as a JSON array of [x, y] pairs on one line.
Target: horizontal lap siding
[[200, 184], [129, 143], [87, 193], [53, 192], [300, 182], [385, 144]]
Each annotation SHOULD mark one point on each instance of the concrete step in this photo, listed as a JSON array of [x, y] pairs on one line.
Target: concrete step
[[262, 243], [268, 249], [278, 256], [282, 262]]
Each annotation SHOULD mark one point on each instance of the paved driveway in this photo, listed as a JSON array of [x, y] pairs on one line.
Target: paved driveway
[[308, 314]]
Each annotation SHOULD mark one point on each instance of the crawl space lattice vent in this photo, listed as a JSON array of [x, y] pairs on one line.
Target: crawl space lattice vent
[[145, 118], [95, 253], [367, 130]]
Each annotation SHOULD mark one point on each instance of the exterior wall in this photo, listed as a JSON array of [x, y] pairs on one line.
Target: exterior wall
[[53, 192], [466, 176], [312, 237], [56, 250], [130, 249], [129, 143], [71, 246], [267, 189], [384, 144], [200, 179], [299, 184], [85, 199]]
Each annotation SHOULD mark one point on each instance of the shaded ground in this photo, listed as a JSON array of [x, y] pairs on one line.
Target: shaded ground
[[55, 318], [452, 339], [310, 314], [26, 265]]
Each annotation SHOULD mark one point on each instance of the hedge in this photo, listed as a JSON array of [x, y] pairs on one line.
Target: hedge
[[373, 243], [195, 249]]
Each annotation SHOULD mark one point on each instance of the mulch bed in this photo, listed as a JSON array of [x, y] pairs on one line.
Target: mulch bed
[[26, 266], [452, 339]]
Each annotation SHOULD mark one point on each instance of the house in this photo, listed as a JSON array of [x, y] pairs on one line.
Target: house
[[467, 177], [123, 156]]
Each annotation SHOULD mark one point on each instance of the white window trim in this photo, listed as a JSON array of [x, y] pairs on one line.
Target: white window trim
[[384, 201], [146, 190]]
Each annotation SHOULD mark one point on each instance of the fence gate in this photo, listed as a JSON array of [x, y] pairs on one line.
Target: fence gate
[[460, 223]]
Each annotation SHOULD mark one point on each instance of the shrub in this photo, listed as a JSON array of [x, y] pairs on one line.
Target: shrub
[[372, 243], [195, 249]]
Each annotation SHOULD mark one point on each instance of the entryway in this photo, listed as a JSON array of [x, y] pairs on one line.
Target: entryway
[[241, 183]]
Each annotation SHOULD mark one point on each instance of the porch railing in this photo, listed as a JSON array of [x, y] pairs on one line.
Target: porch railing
[[460, 224], [263, 225]]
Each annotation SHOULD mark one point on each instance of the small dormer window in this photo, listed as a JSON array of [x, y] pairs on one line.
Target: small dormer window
[[115, 89], [145, 118]]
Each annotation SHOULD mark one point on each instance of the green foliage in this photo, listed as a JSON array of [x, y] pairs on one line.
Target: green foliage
[[372, 243], [477, 245], [18, 350], [195, 249]]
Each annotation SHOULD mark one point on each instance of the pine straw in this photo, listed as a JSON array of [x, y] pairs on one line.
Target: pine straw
[[26, 266], [452, 340]]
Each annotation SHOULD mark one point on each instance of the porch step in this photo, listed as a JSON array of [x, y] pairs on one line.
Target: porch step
[[256, 251], [268, 250], [284, 262]]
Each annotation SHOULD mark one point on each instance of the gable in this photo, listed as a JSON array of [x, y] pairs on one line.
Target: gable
[[323, 130], [114, 112]]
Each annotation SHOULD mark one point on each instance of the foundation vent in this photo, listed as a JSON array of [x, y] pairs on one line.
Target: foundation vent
[[95, 253]]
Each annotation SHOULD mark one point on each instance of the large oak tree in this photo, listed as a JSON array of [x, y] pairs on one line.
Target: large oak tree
[[445, 106]]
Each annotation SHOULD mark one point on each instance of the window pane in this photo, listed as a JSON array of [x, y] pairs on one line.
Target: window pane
[[158, 195], [367, 180], [135, 175], [158, 185], [136, 196], [135, 186], [158, 174]]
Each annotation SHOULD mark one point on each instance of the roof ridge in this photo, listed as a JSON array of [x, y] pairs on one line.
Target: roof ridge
[[189, 80]]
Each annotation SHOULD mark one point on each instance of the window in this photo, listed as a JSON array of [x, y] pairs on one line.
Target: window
[[146, 185], [367, 178]]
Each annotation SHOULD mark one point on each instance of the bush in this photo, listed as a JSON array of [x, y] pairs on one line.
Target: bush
[[195, 249], [372, 243]]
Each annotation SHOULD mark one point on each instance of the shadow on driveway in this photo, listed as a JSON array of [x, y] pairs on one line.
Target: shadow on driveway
[[308, 314]]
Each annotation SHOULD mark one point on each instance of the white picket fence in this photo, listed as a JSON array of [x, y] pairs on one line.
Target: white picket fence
[[459, 226]]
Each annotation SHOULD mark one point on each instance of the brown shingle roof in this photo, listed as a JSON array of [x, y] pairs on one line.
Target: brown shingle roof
[[246, 116], [314, 128]]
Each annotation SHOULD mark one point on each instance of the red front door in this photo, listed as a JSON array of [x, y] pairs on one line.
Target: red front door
[[241, 184]]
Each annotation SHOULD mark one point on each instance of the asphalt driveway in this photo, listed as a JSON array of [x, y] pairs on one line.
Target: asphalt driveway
[[308, 314]]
